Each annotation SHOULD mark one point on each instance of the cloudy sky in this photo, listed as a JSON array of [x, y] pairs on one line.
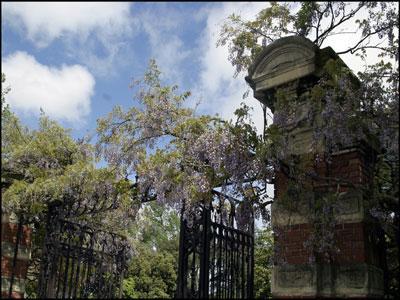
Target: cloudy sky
[[76, 60]]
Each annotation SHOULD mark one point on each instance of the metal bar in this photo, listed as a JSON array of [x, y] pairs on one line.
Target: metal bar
[[66, 268], [228, 263], [251, 283], [243, 261], [110, 279], [248, 258], [236, 270], [122, 274], [193, 268], [89, 265], [225, 262], [59, 274], [45, 265], [19, 233], [214, 243], [230, 248], [54, 247], [219, 291], [72, 274], [233, 229], [182, 261], [207, 244], [232, 265], [100, 272], [76, 287], [63, 257], [96, 276], [238, 267], [226, 257], [205, 255], [84, 277]]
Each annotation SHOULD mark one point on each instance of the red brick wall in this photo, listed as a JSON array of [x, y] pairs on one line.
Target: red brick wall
[[9, 229], [352, 166], [9, 233], [350, 238], [291, 243]]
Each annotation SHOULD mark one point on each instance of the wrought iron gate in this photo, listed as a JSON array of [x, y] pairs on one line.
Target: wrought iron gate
[[216, 260], [80, 261]]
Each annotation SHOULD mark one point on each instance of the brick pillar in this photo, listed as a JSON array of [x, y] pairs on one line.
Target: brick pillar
[[355, 269], [293, 65], [14, 258]]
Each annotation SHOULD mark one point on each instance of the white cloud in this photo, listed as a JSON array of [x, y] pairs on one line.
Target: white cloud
[[220, 92], [63, 93], [166, 46], [216, 67], [46, 21], [347, 35], [94, 33], [217, 88]]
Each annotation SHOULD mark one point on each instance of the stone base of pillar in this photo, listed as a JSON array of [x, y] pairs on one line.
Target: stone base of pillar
[[327, 281], [14, 264]]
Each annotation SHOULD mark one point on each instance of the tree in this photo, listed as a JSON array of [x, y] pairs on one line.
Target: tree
[[263, 260], [47, 166], [369, 112], [198, 153], [153, 269], [157, 227], [316, 21], [151, 274]]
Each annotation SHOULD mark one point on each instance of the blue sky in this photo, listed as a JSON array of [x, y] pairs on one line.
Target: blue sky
[[76, 60]]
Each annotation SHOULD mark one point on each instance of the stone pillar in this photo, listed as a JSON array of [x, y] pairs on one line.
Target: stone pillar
[[14, 264], [294, 65]]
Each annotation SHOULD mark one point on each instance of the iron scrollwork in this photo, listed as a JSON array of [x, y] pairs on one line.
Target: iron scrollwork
[[80, 261], [216, 258]]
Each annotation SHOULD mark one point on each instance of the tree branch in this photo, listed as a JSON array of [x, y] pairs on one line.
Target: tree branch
[[355, 48], [344, 18]]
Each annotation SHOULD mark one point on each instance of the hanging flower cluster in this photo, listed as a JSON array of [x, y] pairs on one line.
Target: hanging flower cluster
[[176, 156], [46, 166]]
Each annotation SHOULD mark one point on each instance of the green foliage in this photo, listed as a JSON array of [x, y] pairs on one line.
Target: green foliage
[[316, 21], [47, 165], [263, 262], [157, 227], [151, 275], [5, 109], [177, 156], [198, 153], [341, 110], [305, 17], [153, 270], [243, 37]]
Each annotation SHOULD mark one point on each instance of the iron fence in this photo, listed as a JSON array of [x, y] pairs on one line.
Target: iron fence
[[216, 259], [80, 261]]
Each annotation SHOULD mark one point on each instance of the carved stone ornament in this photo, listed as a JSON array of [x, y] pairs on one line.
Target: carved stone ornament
[[284, 60]]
